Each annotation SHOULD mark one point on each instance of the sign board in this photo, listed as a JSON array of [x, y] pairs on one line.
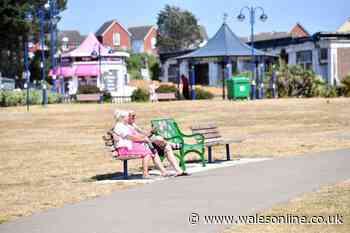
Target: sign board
[[145, 74]]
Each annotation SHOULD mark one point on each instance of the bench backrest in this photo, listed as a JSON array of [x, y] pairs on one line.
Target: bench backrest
[[166, 96], [209, 131], [167, 128], [89, 97]]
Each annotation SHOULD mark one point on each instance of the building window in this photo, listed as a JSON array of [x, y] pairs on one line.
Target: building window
[[323, 55], [304, 59], [116, 39], [153, 42]]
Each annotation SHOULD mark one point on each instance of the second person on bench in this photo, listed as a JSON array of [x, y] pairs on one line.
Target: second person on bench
[[161, 146]]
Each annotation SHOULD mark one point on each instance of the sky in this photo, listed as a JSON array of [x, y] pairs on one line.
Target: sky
[[315, 15]]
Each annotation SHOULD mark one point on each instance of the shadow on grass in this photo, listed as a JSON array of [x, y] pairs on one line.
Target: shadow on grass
[[112, 176]]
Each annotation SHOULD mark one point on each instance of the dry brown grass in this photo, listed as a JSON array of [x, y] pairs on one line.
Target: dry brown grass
[[329, 201], [48, 155]]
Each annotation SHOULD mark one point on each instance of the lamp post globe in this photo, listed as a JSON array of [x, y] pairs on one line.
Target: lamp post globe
[[263, 17]]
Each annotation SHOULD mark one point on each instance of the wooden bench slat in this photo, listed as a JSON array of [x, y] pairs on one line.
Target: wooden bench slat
[[213, 140], [211, 135], [227, 141], [166, 96], [204, 126], [88, 97], [205, 131]]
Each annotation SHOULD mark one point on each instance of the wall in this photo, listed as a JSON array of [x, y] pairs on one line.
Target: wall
[[343, 62], [148, 42], [124, 37]]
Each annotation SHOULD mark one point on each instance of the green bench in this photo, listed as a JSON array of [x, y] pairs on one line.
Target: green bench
[[170, 131]]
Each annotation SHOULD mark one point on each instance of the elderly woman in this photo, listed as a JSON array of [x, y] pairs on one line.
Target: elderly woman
[[132, 142], [160, 145]]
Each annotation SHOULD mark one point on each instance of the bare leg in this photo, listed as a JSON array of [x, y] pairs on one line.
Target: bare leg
[[145, 162], [172, 159], [160, 166]]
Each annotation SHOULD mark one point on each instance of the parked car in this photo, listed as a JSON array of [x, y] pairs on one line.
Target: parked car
[[7, 84]]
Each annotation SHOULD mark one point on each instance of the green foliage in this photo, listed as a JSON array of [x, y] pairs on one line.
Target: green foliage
[[140, 95], [166, 89], [346, 85], [178, 29], [107, 97], [135, 75], [14, 31], [17, 98], [203, 94], [12, 98], [88, 89], [329, 92], [53, 98], [136, 62], [294, 81]]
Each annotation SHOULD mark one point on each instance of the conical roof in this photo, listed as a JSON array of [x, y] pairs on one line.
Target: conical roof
[[224, 44], [89, 45]]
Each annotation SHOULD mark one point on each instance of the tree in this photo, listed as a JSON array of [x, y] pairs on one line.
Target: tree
[[14, 31], [136, 62], [177, 30]]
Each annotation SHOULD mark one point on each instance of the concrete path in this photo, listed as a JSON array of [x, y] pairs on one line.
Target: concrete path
[[165, 206]]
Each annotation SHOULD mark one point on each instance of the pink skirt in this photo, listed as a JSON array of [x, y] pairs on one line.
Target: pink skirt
[[138, 149]]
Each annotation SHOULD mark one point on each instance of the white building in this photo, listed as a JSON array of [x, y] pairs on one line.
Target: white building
[[93, 64], [326, 53]]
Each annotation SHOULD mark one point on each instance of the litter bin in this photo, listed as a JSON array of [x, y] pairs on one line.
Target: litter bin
[[238, 88], [229, 85]]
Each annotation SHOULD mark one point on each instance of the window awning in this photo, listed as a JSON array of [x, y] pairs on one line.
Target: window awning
[[65, 71], [87, 70]]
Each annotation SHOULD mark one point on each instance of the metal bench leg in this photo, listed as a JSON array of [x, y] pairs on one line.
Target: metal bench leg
[[228, 156], [125, 172], [209, 155]]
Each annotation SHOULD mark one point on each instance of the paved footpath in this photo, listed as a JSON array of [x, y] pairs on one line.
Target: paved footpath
[[164, 206]]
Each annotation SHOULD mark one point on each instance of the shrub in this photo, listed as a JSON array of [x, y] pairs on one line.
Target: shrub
[[166, 89], [15, 98], [12, 98], [346, 86], [135, 75], [54, 98], [140, 95], [35, 97], [107, 97], [137, 61], [203, 94], [329, 92], [88, 89]]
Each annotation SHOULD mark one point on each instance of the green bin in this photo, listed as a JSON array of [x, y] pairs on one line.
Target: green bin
[[238, 88]]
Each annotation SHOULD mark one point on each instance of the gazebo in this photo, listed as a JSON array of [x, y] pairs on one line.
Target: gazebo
[[92, 64], [222, 50]]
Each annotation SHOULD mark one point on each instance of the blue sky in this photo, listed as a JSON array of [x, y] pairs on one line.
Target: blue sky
[[315, 15]]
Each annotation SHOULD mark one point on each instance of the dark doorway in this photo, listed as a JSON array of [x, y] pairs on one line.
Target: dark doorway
[[202, 74], [284, 56]]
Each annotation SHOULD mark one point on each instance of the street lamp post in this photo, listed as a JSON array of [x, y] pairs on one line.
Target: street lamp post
[[28, 19], [263, 17], [41, 15], [54, 18]]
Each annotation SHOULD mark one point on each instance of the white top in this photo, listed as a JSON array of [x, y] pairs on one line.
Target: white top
[[123, 131]]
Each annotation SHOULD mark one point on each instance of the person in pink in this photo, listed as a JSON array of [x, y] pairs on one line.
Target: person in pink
[[133, 143]]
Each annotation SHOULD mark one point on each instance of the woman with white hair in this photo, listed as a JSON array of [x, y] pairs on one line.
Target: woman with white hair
[[133, 143]]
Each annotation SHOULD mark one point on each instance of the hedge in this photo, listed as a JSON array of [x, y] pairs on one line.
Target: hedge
[[19, 98]]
